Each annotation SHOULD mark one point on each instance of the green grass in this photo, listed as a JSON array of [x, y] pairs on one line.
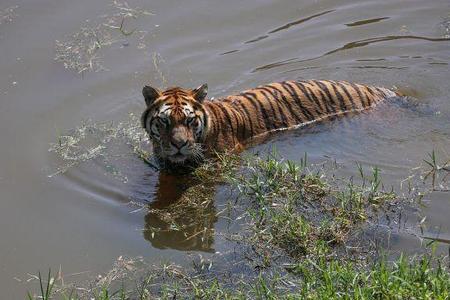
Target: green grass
[[401, 279], [420, 278], [298, 223], [46, 292], [301, 212]]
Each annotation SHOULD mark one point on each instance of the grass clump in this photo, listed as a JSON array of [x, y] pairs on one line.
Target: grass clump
[[400, 279], [419, 278], [300, 211], [298, 224]]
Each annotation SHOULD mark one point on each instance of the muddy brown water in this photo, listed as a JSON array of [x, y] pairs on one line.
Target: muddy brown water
[[81, 220]]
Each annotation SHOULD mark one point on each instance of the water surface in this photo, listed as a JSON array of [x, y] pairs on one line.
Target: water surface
[[82, 221]]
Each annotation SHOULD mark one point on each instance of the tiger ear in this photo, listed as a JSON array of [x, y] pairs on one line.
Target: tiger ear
[[150, 94], [199, 93]]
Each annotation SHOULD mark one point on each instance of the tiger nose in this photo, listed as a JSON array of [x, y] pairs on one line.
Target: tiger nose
[[178, 139], [179, 144]]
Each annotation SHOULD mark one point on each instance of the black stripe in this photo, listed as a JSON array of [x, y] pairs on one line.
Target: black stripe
[[360, 95], [242, 127], [144, 117], [344, 88], [151, 130], [277, 104], [287, 104], [266, 98], [247, 114], [379, 91], [216, 124], [322, 89], [205, 121], [369, 96], [225, 112], [309, 115], [383, 93], [307, 95], [330, 105], [241, 120], [258, 106], [327, 106], [339, 96], [297, 100], [372, 94], [170, 107], [370, 90]]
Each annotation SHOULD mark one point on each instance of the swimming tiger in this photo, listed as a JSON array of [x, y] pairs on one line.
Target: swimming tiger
[[185, 127]]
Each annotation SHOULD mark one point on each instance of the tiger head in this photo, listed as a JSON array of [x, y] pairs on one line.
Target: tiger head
[[176, 122]]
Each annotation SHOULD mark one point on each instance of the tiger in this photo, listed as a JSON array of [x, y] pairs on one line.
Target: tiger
[[185, 127]]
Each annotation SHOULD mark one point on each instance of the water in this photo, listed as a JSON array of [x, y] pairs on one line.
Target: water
[[81, 220]]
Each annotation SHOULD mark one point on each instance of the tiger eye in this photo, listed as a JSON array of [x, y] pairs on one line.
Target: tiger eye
[[163, 122], [190, 120]]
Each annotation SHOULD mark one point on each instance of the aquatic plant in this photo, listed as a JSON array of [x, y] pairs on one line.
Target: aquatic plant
[[80, 50], [302, 235]]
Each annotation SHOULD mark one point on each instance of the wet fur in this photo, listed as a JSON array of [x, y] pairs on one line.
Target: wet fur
[[233, 122]]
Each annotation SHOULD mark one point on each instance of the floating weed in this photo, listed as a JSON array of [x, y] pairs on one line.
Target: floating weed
[[158, 62], [80, 51], [445, 27], [92, 140], [8, 14]]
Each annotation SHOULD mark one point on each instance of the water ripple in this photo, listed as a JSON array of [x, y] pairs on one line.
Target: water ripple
[[351, 45]]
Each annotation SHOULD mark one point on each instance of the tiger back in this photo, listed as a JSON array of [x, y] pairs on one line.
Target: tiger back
[[285, 105]]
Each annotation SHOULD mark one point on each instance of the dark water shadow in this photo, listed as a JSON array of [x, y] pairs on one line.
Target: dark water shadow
[[294, 23], [288, 25], [259, 38], [351, 45], [364, 22], [182, 215], [281, 28]]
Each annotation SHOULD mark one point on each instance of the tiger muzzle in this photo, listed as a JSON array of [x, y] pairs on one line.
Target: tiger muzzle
[[179, 138]]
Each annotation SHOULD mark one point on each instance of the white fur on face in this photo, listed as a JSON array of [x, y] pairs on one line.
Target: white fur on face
[[161, 118]]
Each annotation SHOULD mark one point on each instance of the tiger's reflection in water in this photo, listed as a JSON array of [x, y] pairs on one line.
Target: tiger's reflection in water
[[183, 214]]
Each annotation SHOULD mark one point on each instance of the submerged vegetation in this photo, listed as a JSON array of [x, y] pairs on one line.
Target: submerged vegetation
[[303, 233], [92, 140], [80, 51]]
